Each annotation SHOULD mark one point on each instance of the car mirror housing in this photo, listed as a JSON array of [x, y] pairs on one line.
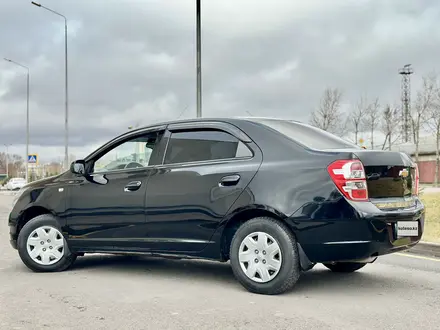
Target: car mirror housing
[[78, 167]]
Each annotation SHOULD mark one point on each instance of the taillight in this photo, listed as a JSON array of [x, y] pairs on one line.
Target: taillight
[[416, 179], [349, 177]]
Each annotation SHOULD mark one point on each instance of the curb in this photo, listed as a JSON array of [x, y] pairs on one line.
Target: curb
[[427, 249]]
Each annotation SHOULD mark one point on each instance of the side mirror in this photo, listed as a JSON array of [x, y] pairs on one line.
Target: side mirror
[[78, 167]]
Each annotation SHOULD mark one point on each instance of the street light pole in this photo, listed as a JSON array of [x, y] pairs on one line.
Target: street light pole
[[27, 128], [27, 116], [199, 58], [66, 89], [66, 102]]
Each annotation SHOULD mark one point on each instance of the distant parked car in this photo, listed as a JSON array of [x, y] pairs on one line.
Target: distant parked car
[[274, 197], [16, 184]]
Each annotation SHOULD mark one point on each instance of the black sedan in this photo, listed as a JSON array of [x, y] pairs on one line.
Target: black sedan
[[273, 197]]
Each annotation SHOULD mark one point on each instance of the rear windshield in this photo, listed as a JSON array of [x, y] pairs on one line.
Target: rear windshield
[[309, 136]]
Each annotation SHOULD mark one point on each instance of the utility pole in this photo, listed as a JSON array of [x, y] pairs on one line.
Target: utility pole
[[406, 72], [199, 58]]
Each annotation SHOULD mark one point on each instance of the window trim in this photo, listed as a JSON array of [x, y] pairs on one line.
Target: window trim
[[192, 128], [207, 162], [218, 125], [124, 170]]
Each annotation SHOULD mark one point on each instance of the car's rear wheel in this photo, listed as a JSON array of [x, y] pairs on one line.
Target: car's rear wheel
[[264, 256], [42, 247], [345, 267]]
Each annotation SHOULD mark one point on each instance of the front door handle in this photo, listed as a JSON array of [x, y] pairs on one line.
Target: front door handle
[[132, 186], [229, 180]]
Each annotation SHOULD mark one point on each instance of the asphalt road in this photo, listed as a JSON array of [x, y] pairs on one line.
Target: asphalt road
[[113, 292]]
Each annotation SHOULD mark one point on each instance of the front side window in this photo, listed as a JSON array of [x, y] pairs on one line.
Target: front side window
[[138, 152], [204, 145]]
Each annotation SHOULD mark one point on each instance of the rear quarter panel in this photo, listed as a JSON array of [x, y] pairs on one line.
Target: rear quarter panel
[[289, 177]]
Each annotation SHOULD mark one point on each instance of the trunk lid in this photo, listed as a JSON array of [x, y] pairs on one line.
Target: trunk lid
[[389, 174], [392, 177]]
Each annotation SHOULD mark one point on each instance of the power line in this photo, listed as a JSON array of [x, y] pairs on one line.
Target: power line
[[183, 111]]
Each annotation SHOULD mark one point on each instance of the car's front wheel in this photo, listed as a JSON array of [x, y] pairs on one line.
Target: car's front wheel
[[42, 247], [345, 267], [264, 256]]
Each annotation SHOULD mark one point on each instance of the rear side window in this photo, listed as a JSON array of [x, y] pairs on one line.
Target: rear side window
[[309, 136], [204, 145]]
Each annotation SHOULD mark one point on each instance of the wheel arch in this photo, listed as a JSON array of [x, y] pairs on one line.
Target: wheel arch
[[29, 214], [239, 217]]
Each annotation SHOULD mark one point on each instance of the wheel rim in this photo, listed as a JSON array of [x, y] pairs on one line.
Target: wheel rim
[[260, 257], [45, 245]]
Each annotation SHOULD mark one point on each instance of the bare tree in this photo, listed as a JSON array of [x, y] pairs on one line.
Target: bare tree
[[2, 159], [356, 120], [434, 125], [372, 119], [423, 105], [328, 116], [3, 169], [15, 164], [390, 125]]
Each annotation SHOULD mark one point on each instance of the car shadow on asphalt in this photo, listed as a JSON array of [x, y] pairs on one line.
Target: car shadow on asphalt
[[361, 281], [163, 267], [316, 280]]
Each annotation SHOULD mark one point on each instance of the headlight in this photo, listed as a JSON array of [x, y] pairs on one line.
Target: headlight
[[18, 195]]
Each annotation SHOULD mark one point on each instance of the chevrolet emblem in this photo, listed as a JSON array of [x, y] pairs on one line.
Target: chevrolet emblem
[[403, 173]]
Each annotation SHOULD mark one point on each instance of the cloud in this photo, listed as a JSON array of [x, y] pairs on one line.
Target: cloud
[[134, 63]]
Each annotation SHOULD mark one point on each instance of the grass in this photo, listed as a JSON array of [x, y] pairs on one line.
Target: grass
[[432, 218]]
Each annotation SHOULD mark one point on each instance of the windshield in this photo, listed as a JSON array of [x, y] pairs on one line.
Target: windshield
[[309, 136]]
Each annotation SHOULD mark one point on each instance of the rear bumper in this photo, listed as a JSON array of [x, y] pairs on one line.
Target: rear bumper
[[353, 250], [356, 239]]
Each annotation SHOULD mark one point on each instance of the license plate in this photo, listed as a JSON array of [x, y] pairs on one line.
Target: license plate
[[407, 228]]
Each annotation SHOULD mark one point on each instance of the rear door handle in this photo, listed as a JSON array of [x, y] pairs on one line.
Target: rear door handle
[[132, 186], [229, 180]]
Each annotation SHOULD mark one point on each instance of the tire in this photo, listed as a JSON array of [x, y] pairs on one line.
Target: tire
[[56, 256], [345, 267], [272, 281]]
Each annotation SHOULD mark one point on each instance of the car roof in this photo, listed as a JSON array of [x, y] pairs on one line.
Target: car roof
[[230, 120]]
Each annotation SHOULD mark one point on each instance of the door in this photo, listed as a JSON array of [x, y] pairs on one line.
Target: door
[[204, 172], [106, 206]]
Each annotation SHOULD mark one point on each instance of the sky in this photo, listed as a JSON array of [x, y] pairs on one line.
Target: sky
[[132, 62]]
